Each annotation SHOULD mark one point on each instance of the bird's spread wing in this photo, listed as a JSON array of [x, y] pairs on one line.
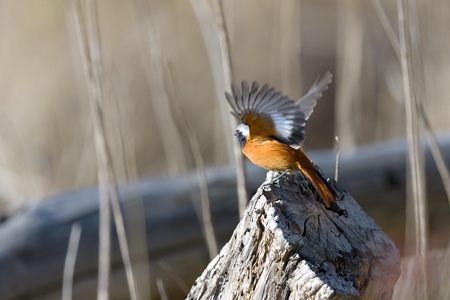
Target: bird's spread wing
[[308, 101], [268, 113]]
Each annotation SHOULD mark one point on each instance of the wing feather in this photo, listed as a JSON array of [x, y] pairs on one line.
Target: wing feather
[[309, 101], [271, 108], [262, 93], [245, 94]]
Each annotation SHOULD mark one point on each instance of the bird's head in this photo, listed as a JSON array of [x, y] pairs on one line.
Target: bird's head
[[242, 132]]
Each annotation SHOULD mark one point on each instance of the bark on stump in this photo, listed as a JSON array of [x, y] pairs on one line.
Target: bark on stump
[[289, 246]]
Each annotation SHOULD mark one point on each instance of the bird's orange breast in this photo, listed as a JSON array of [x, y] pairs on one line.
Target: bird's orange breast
[[271, 154]]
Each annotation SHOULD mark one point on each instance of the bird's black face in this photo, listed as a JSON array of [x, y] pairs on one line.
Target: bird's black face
[[242, 132]]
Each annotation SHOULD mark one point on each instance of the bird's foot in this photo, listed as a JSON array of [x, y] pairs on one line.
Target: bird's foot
[[274, 179], [279, 176]]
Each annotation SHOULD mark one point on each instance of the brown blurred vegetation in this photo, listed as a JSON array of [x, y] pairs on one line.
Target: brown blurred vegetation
[[46, 143]]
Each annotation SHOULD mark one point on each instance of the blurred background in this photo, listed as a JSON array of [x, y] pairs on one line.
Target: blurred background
[[155, 66]]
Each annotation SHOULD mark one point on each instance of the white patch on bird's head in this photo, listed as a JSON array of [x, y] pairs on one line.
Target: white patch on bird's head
[[243, 129], [242, 132]]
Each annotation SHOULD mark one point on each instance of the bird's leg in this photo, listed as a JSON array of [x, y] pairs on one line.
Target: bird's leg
[[276, 178], [279, 176]]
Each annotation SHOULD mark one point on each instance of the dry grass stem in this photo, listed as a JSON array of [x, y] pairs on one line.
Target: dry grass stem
[[205, 201], [69, 265], [444, 291], [123, 242], [216, 38], [174, 275], [437, 155], [434, 147], [134, 210], [171, 139], [154, 71], [289, 47], [336, 170], [349, 68], [225, 46], [387, 27], [219, 60], [94, 89], [415, 154], [161, 289], [436, 152], [91, 56]]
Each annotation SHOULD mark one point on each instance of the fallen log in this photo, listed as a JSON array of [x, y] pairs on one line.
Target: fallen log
[[289, 246], [34, 241]]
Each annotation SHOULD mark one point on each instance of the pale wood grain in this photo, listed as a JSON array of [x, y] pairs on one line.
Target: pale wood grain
[[289, 246]]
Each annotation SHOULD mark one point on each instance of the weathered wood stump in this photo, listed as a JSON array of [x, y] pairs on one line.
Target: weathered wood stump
[[289, 246]]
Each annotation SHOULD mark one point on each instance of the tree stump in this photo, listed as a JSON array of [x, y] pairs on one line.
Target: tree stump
[[289, 246]]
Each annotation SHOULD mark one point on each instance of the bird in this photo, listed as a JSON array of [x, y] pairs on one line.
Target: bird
[[273, 126]]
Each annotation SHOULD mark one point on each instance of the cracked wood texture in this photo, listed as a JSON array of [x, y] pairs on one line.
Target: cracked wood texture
[[289, 246]]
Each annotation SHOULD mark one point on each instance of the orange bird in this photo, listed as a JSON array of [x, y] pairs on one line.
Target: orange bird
[[273, 127]]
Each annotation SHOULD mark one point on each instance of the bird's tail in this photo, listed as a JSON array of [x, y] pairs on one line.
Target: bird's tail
[[322, 186]]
